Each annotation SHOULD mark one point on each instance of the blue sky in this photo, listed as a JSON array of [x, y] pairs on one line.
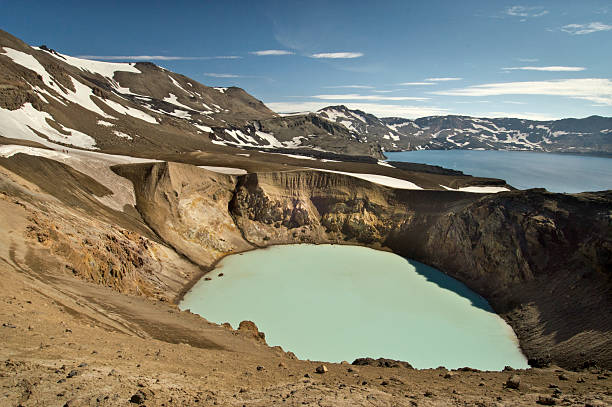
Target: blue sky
[[543, 59]]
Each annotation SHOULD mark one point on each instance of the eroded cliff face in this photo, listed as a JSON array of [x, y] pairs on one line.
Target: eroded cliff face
[[313, 206], [62, 227], [544, 261], [188, 208]]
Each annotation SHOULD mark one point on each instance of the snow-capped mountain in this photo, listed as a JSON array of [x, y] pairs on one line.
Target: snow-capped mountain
[[592, 134], [589, 135], [54, 99], [367, 128]]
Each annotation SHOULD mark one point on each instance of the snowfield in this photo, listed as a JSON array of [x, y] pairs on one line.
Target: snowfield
[[378, 179], [478, 189], [224, 170], [22, 122], [105, 69]]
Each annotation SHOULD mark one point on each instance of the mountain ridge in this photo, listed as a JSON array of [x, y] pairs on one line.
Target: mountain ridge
[[587, 135], [129, 108]]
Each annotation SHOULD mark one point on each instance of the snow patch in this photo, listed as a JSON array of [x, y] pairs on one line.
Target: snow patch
[[294, 142], [348, 124], [82, 96], [333, 114], [478, 189], [122, 135], [174, 100], [384, 163], [224, 170], [358, 117], [240, 138], [182, 114], [7, 151], [378, 179], [203, 128], [22, 122], [31, 63], [94, 164], [105, 124], [106, 69], [138, 114], [269, 138]]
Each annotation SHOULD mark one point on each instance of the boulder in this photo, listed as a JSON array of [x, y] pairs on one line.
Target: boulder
[[381, 362], [250, 328], [321, 369], [513, 382]]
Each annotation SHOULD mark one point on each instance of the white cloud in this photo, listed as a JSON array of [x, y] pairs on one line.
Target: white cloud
[[547, 68], [349, 86], [394, 110], [525, 12], [594, 89], [266, 52], [463, 102], [337, 55], [520, 115], [415, 83], [443, 79], [153, 57], [581, 29], [353, 96], [380, 110], [221, 75]]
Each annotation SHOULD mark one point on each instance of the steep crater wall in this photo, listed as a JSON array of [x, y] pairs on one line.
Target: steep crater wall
[[542, 260]]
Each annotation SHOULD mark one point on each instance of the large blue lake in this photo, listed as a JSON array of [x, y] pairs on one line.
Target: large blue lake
[[522, 169], [334, 303]]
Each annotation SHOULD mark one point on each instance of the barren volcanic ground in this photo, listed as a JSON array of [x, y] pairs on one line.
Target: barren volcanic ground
[[97, 247], [96, 250]]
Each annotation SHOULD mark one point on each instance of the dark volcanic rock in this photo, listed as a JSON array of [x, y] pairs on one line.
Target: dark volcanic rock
[[530, 252], [539, 362], [513, 382], [381, 362]]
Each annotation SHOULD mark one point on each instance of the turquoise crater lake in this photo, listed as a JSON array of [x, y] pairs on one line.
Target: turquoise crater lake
[[334, 303]]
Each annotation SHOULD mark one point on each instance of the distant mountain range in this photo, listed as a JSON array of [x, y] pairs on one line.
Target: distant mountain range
[[589, 135], [139, 108]]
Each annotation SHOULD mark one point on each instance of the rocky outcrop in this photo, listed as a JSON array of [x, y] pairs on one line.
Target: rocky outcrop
[[381, 362], [187, 207], [250, 329]]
